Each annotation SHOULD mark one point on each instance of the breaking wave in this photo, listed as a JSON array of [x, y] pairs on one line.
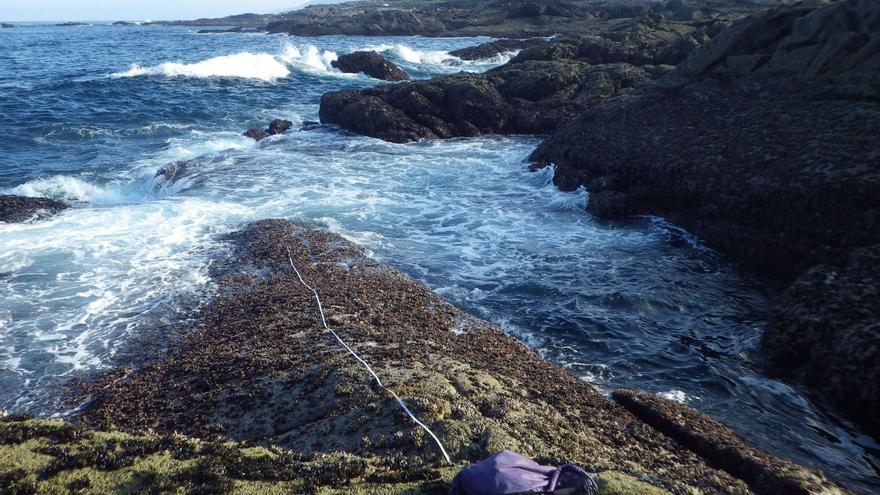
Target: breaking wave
[[245, 65]]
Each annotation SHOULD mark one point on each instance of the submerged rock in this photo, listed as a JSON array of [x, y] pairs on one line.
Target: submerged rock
[[257, 366], [22, 208], [277, 126], [826, 332], [371, 64]]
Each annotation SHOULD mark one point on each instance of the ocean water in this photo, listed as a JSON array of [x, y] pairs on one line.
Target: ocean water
[[91, 114]]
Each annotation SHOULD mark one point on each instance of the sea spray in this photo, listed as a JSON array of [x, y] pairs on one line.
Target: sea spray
[[245, 65]]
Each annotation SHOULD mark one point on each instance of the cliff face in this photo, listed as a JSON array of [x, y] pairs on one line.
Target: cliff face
[[258, 367]]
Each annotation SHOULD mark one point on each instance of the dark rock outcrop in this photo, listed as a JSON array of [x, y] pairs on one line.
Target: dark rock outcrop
[[764, 143], [539, 90], [277, 126], [257, 366], [493, 48], [720, 146], [371, 64], [23, 208], [721, 446], [826, 332], [236, 29], [499, 19], [123, 23], [6, 25], [68, 24]]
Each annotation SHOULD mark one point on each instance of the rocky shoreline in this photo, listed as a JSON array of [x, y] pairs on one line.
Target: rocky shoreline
[[257, 368], [705, 124], [16, 209], [499, 19]]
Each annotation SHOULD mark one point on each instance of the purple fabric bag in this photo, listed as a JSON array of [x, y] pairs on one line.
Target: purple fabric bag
[[507, 473]]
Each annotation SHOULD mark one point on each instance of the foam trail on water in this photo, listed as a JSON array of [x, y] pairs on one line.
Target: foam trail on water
[[245, 65]]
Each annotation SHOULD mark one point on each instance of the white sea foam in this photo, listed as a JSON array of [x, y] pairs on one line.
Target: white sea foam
[[245, 65], [309, 57], [678, 396], [405, 53], [66, 188]]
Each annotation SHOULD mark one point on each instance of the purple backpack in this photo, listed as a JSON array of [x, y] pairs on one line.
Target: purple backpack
[[508, 473]]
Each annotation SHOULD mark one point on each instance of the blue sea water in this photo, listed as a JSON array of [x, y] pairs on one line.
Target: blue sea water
[[90, 113]]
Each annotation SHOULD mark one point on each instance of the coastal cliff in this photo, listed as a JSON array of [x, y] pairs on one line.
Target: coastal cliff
[[279, 403]]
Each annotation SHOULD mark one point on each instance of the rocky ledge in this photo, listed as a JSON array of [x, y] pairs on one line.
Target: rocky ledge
[[371, 64], [258, 368], [722, 146], [502, 19], [826, 331], [24, 209], [537, 92]]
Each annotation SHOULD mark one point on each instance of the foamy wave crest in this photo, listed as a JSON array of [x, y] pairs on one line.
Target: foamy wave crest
[[413, 56], [245, 65], [309, 57], [499, 59], [66, 188]]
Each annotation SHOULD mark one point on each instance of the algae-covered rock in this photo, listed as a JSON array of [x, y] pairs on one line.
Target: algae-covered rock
[[258, 367], [40, 456]]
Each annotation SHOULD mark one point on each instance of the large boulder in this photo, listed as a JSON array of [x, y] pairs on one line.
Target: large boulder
[[371, 64], [23, 208], [459, 105], [826, 332]]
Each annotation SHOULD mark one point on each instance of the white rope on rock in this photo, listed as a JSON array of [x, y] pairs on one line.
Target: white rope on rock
[[360, 360]]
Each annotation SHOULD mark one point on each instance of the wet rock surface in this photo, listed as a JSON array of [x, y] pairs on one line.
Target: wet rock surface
[[722, 447], [542, 88], [258, 367], [371, 64], [826, 332], [277, 126], [722, 146], [23, 209], [496, 47]]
